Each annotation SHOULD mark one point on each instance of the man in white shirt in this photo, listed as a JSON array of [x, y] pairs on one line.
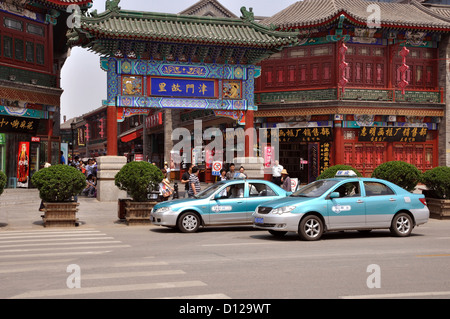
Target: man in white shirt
[[276, 173]]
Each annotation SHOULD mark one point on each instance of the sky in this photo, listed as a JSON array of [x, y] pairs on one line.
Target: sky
[[83, 81]]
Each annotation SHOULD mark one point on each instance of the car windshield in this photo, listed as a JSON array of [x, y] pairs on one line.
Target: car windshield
[[209, 190], [315, 189]]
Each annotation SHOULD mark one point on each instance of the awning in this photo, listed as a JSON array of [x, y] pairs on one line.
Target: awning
[[132, 136]]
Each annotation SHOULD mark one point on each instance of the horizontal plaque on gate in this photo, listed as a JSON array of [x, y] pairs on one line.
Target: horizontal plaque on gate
[[392, 134], [184, 88]]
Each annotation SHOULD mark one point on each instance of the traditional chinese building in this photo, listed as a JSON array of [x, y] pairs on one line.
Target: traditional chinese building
[[31, 57], [359, 89], [173, 62]]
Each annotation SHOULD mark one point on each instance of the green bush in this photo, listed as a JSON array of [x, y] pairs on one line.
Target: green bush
[[59, 183], [331, 171], [138, 179], [437, 180], [3, 180], [400, 173]]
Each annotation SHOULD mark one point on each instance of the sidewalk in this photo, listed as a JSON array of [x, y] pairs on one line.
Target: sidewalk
[[19, 209]]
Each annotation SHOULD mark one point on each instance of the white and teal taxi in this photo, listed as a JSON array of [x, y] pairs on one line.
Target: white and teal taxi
[[224, 203], [346, 202]]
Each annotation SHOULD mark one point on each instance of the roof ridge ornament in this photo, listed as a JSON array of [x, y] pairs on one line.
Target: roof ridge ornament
[[112, 5], [247, 16]]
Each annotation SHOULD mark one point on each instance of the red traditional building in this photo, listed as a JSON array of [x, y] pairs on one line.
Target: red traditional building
[[31, 57], [354, 93]]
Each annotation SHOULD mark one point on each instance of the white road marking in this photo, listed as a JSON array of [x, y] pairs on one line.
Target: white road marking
[[107, 289]]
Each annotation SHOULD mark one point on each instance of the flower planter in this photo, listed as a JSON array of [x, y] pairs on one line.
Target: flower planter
[[60, 214], [138, 213], [439, 208]]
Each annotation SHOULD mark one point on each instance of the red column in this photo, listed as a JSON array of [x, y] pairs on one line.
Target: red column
[[249, 139], [111, 135], [338, 145]]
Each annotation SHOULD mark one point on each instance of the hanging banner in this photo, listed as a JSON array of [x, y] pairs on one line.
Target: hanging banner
[[22, 164]]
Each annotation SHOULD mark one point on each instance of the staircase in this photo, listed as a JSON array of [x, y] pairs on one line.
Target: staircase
[[19, 196]]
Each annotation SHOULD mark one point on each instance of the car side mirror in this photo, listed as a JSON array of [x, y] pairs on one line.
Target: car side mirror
[[334, 195]]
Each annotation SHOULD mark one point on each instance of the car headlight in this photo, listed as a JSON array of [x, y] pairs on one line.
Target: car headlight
[[282, 210], [162, 210]]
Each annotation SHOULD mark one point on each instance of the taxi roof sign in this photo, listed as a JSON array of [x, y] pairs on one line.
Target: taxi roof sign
[[345, 173]]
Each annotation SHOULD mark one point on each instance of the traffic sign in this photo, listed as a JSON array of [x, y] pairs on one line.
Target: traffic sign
[[216, 168]]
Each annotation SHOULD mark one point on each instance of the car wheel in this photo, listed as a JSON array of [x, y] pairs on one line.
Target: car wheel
[[402, 225], [188, 222], [310, 228], [277, 234]]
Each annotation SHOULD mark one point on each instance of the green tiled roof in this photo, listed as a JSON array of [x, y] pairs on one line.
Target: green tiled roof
[[99, 32]]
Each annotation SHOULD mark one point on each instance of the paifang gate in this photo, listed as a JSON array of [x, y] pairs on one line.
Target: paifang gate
[[166, 61]]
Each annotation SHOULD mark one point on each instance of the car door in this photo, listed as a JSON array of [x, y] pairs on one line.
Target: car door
[[229, 207], [349, 209], [258, 193], [381, 204]]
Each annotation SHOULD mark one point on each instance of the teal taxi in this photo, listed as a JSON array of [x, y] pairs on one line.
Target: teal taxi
[[345, 202], [229, 202]]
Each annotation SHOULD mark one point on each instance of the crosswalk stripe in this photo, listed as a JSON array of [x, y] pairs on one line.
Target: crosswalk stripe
[[209, 296], [107, 289], [55, 248], [130, 274], [50, 236], [18, 232], [62, 244], [52, 239], [58, 254]]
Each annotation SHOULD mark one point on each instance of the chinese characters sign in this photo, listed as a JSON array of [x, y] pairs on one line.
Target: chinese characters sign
[[191, 88], [393, 134], [13, 124], [309, 134]]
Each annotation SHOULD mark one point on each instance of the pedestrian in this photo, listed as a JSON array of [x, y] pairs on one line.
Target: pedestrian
[[165, 190], [223, 175], [185, 178], [276, 173], [286, 180], [167, 168], [62, 160], [90, 167], [194, 182], [91, 187], [242, 173], [231, 173], [42, 206]]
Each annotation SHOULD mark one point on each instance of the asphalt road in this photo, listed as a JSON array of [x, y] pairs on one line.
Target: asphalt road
[[115, 261]]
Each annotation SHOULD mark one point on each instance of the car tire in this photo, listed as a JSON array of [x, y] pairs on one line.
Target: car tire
[[277, 234], [188, 222], [310, 228], [402, 225]]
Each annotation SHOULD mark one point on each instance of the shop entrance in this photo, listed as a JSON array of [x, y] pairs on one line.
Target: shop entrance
[[294, 158]]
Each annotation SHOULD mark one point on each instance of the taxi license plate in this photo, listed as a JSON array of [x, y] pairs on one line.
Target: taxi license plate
[[259, 220]]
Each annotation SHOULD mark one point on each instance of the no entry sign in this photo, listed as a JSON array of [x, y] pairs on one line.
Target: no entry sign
[[216, 168]]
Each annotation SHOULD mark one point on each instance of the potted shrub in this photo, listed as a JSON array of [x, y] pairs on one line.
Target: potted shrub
[[331, 171], [437, 180], [400, 173], [57, 186], [138, 179], [3, 180]]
